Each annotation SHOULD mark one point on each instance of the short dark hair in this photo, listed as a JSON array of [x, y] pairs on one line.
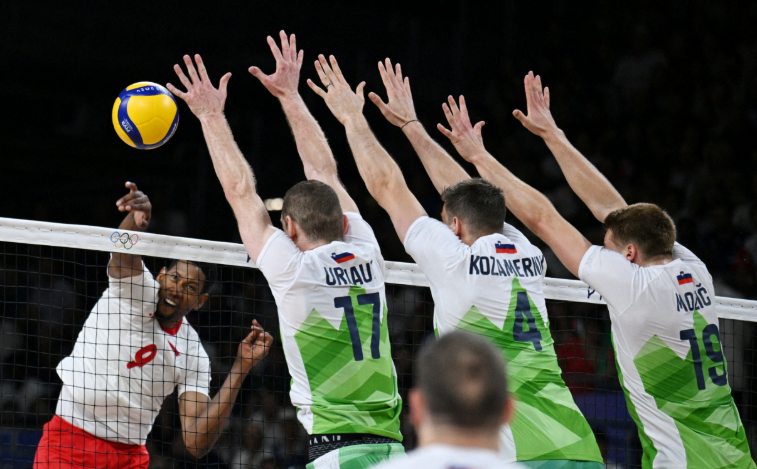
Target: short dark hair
[[647, 226], [462, 378], [478, 203], [210, 271], [316, 209]]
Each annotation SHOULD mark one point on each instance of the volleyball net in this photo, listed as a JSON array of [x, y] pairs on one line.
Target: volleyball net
[[52, 275]]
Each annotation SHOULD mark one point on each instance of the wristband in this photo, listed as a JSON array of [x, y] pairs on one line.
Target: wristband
[[403, 125]]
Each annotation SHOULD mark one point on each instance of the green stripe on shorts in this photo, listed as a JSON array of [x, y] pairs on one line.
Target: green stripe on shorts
[[562, 464], [358, 456]]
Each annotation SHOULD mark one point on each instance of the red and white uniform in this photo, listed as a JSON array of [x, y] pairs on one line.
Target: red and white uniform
[[124, 365]]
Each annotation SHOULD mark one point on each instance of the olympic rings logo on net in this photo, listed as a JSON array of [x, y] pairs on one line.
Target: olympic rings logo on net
[[124, 240]]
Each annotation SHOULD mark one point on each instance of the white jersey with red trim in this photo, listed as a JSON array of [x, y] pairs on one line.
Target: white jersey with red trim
[[124, 364]]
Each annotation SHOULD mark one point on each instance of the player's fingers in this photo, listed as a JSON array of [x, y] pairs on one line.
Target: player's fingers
[[376, 99], [359, 91], [224, 83], [453, 106], [448, 115], [176, 91], [447, 133], [184, 80], [398, 73], [463, 109], [520, 116], [478, 126], [284, 45], [337, 70], [321, 74], [384, 76], [201, 69], [191, 70], [300, 56], [268, 338], [257, 73], [256, 324], [131, 186], [274, 49], [546, 96], [316, 88], [251, 337], [407, 87], [327, 69], [140, 203], [293, 48]]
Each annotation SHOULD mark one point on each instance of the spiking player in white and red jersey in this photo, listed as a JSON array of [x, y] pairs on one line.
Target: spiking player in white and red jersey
[[134, 349]]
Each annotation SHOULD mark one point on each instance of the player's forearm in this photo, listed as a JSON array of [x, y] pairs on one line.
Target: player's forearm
[[591, 186], [232, 169], [443, 170], [125, 265], [529, 205], [203, 434], [312, 146], [378, 170]]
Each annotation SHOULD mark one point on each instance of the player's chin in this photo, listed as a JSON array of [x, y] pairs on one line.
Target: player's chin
[[165, 311]]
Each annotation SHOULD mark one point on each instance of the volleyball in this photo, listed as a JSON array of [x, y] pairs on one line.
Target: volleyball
[[145, 115]]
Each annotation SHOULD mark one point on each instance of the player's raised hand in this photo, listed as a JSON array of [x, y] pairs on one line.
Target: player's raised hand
[[254, 347], [466, 138], [341, 100], [137, 203], [400, 109], [283, 82], [539, 119], [202, 98]]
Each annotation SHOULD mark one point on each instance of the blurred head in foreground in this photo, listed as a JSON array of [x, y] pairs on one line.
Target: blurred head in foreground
[[460, 395]]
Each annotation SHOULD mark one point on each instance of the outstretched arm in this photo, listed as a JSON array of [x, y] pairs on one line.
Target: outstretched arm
[[584, 178], [400, 111], [235, 174], [202, 419], [529, 205], [380, 172], [124, 265], [312, 145]]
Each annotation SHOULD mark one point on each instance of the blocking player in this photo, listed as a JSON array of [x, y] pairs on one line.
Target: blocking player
[[326, 273], [659, 294], [485, 276], [133, 351], [458, 404]]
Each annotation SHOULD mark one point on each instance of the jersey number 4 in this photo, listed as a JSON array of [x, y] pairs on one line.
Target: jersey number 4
[[715, 355], [523, 313], [374, 299]]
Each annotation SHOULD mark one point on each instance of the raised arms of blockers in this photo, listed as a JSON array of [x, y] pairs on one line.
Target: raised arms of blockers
[[529, 205], [314, 150], [399, 109], [207, 103], [583, 177], [379, 171]]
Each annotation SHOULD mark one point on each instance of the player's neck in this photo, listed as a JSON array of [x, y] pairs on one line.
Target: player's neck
[[445, 435], [660, 260]]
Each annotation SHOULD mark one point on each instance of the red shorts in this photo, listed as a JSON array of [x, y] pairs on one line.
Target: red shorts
[[64, 446]]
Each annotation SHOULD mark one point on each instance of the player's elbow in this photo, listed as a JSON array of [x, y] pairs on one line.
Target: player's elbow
[[195, 449], [238, 189]]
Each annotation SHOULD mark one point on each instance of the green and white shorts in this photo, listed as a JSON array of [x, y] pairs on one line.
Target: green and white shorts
[[562, 464], [357, 456]]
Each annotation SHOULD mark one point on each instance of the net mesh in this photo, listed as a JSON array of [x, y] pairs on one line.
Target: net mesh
[[47, 292]]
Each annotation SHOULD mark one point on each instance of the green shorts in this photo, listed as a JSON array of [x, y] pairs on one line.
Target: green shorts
[[562, 464], [357, 456]]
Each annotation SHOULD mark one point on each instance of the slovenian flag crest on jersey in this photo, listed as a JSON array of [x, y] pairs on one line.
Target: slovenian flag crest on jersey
[[343, 257], [684, 279], [505, 248]]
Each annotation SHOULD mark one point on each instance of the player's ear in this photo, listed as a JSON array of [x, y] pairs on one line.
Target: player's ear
[[631, 253], [346, 224], [507, 414], [201, 301], [417, 407], [457, 227], [161, 274]]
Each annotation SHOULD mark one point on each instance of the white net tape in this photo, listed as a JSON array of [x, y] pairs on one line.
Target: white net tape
[[149, 244]]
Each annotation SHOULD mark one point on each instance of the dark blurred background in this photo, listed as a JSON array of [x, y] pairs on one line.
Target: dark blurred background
[[661, 96]]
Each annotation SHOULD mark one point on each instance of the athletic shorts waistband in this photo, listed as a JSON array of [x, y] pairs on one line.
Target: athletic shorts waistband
[[59, 424], [318, 445]]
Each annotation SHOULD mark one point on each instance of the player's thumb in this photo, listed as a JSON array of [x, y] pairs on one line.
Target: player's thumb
[[477, 128], [520, 116], [257, 73]]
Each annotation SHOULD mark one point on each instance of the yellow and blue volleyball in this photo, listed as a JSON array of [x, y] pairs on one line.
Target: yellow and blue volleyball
[[145, 115]]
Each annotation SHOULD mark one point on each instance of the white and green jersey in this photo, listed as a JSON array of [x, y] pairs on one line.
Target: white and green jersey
[[332, 314], [494, 288], [670, 359]]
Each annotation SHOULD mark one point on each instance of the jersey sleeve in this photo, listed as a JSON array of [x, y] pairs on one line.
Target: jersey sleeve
[[279, 261], [197, 373], [611, 275], [434, 247], [513, 234], [138, 292]]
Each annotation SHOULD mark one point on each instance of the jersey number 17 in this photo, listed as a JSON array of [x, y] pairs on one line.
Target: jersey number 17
[[374, 299]]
